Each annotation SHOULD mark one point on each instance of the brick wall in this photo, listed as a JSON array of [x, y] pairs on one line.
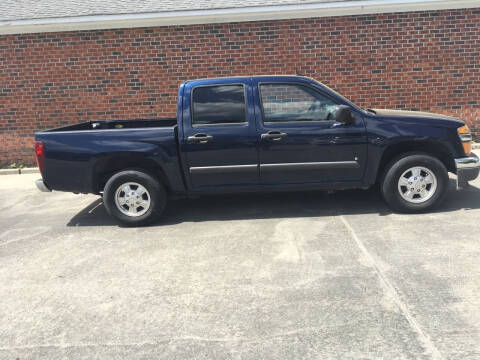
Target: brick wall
[[422, 60]]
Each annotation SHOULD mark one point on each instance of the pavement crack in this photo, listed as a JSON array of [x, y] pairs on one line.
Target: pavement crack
[[390, 289], [160, 342]]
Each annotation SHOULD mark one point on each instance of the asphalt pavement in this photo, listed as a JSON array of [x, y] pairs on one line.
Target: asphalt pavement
[[261, 276]]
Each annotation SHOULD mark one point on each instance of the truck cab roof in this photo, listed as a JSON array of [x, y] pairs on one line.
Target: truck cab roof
[[257, 77]]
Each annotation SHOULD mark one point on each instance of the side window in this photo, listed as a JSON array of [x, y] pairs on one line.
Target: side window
[[222, 104], [293, 102]]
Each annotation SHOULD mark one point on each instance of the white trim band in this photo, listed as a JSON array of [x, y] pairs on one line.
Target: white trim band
[[341, 8]]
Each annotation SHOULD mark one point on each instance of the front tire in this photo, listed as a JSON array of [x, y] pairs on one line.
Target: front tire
[[414, 183], [134, 197]]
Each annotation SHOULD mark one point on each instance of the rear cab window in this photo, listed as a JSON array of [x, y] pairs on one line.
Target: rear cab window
[[219, 105]]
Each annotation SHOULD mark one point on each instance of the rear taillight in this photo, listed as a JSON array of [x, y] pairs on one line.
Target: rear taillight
[[40, 155]]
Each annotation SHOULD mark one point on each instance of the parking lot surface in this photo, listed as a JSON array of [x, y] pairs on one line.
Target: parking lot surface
[[260, 276]]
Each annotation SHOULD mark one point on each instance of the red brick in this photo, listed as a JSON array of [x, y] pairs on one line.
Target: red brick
[[405, 60]]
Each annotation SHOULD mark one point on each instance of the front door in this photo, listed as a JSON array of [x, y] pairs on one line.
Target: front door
[[219, 135], [300, 142]]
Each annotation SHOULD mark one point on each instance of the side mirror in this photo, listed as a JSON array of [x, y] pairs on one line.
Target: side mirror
[[344, 115]]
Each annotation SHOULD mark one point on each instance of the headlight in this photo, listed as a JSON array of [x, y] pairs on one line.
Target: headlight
[[466, 138]]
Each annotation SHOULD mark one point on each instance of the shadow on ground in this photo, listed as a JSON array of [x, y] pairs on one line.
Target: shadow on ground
[[276, 205]]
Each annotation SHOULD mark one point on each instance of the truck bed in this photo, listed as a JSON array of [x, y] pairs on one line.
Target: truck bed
[[77, 155], [118, 124]]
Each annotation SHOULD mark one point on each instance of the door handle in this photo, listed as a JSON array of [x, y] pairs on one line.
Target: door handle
[[273, 135], [199, 139]]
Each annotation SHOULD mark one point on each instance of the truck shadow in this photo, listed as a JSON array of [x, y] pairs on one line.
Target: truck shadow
[[276, 205]]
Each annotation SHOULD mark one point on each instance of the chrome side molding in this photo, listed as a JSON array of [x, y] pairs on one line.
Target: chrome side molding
[[310, 165], [275, 167], [221, 169]]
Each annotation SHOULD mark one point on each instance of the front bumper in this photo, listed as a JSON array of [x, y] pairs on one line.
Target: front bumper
[[41, 185], [467, 169]]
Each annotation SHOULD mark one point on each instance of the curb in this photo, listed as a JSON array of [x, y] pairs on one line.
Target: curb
[[29, 171], [19, 171], [475, 146], [9, 171]]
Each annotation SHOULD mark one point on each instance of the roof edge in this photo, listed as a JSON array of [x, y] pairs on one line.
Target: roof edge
[[98, 22]]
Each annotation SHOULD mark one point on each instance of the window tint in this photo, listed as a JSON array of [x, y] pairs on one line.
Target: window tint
[[219, 104], [293, 102]]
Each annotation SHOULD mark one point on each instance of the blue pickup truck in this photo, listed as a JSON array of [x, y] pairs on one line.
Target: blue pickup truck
[[261, 133]]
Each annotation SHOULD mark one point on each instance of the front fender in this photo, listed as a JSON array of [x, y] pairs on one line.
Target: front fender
[[387, 139]]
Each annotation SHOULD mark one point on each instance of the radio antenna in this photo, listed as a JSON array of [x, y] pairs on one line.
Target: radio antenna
[[298, 73]]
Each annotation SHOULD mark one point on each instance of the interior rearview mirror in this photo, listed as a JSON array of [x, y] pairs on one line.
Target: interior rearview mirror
[[344, 115]]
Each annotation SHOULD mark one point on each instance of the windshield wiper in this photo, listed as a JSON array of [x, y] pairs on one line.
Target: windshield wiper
[[370, 110]]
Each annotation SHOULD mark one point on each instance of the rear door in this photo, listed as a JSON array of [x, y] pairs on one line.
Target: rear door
[[300, 142], [219, 135]]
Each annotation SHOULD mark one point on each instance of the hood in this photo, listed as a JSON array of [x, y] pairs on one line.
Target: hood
[[419, 117], [412, 114]]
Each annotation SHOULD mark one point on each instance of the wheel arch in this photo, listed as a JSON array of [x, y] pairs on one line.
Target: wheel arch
[[105, 167], [432, 148]]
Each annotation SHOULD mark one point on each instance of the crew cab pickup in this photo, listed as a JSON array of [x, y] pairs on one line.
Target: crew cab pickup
[[257, 134]]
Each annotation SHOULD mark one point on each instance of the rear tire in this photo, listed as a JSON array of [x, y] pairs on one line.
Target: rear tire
[[414, 182], [134, 198]]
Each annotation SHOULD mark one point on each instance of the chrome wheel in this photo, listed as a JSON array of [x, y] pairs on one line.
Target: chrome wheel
[[417, 184], [132, 199]]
